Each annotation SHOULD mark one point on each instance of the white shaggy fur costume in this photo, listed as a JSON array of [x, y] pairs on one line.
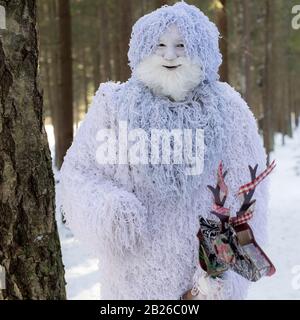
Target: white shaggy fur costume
[[142, 220]]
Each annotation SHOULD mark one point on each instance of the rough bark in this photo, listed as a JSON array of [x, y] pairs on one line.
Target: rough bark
[[29, 243]]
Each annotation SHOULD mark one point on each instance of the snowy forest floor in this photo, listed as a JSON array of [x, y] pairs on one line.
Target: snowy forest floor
[[284, 234]]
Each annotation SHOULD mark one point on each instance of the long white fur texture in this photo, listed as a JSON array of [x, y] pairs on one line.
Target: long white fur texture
[[142, 220]]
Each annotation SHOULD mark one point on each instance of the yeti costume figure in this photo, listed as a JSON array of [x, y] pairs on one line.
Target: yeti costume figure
[[141, 218]]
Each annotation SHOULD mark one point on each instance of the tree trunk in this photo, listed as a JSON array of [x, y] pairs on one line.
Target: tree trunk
[[97, 46], [29, 243], [125, 37], [65, 111], [222, 25], [104, 42], [159, 3], [55, 72], [267, 82], [116, 39], [84, 79], [246, 54]]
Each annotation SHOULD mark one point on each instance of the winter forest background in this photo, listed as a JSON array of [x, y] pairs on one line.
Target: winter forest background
[[260, 56], [81, 43]]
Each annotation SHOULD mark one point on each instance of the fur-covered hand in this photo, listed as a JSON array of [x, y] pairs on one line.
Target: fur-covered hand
[[127, 226]]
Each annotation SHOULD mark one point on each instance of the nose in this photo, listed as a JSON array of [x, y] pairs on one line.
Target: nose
[[170, 54]]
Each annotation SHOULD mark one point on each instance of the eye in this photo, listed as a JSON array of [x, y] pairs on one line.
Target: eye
[[181, 45], [161, 45]]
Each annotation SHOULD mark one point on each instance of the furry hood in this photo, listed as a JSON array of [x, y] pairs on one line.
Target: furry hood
[[199, 33]]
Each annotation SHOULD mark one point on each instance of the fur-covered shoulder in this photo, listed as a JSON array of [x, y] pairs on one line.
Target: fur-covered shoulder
[[231, 96], [106, 91], [101, 111], [236, 107], [108, 87]]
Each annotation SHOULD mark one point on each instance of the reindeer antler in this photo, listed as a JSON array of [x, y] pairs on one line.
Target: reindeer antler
[[251, 185], [247, 203], [221, 190], [220, 194], [248, 189]]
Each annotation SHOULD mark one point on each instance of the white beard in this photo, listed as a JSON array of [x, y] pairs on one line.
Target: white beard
[[175, 83]]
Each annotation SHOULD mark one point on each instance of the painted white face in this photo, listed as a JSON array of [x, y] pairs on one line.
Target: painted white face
[[171, 47], [168, 71]]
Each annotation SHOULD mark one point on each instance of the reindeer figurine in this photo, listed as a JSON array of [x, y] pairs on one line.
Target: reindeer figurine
[[230, 243]]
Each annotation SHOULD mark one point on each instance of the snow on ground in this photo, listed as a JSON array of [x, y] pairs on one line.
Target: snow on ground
[[284, 225], [284, 234]]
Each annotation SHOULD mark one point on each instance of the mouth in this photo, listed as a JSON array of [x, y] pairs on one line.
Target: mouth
[[172, 67]]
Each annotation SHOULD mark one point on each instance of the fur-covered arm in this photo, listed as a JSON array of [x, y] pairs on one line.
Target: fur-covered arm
[[243, 146], [100, 213]]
